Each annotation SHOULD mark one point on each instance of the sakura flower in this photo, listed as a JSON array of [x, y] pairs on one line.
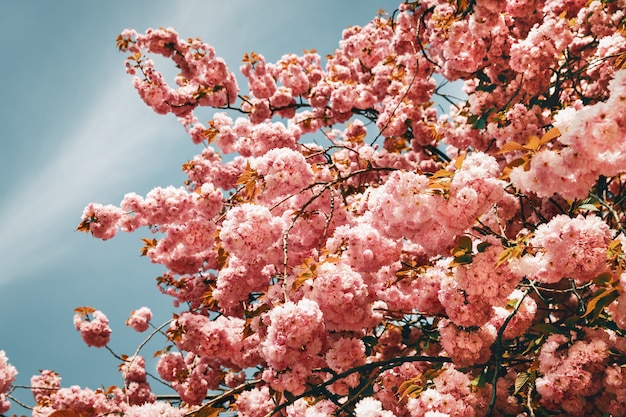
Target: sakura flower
[[7, 377], [295, 334], [255, 403], [573, 248], [371, 407], [93, 327], [139, 319], [101, 220], [44, 385], [7, 373], [154, 409]]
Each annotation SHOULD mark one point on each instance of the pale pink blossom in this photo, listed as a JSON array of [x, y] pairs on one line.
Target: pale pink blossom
[[44, 385], [371, 407], [154, 409], [295, 335], [139, 319], [94, 328], [255, 403], [101, 220], [7, 373]]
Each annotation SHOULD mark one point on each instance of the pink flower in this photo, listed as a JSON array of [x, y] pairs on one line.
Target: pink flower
[[7, 373], [139, 319], [365, 249], [139, 393], [467, 347], [154, 409], [343, 297], [101, 221], [83, 401], [371, 407], [44, 385], [4, 404], [295, 335], [571, 248], [255, 403], [251, 232], [134, 369], [284, 172], [171, 366], [93, 327]]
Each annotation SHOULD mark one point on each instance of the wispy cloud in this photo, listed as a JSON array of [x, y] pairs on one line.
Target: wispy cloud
[[97, 154]]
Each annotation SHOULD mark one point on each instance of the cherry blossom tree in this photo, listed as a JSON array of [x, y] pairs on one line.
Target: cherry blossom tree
[[342, 248]]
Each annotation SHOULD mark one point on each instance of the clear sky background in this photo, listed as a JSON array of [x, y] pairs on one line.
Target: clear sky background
[[73, 131]]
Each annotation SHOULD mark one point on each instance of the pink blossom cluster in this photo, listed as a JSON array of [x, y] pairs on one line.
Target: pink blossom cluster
[[191, 376], [467, 346], [343, 298], [220, 339], [204, 79], [49, 396], [249, 139], [469, 298], [85, 401], [592, 142], [250, 231], [7, 377], [342, 355], [284, 172], [517, 322], [575, 370], [93, 327], [451, 394], [518, 57], [364, 248], [255, 403], [155, 409], [566, 247], [139, 319], [136, 386], [101, 221], [296, 338], [371, 407], [430, 212], [44, 385]]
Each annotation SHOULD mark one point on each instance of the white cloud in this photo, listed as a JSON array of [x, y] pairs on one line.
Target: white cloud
[[97, 158]]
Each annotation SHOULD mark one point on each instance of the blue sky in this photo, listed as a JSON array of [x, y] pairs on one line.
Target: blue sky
[[73, 131]]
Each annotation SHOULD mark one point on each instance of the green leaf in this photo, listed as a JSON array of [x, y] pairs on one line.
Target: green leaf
[[603, 279], [521, 381], [589, 207], [486, 87], [548, 329], [571, 322], [465, 242], [477, 123], [481, 247], [602, 299], [462, 260], [480, 381], [289, 397]]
